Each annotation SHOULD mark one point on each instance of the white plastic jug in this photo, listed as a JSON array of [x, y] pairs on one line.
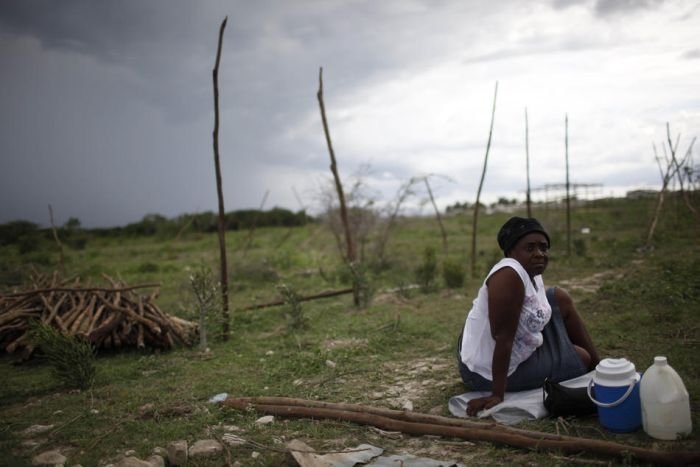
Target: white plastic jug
[[665, 402]]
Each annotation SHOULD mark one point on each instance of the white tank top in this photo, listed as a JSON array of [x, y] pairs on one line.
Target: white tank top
[[477, 343]]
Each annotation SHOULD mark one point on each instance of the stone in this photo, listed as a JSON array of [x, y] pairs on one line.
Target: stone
[[230, 428], [159, 451], [156, 461], [132, 461], [233, 440], [49, 458], [267, 419], [205, 448], [177, 452], [36, 430], [147, 410]]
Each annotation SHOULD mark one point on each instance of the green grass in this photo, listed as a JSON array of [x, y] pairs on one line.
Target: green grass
[[636, 304]]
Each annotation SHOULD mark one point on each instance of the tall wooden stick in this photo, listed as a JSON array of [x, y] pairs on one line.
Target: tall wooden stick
[[219, 191], [528, 201], [350, 246], [481, 184], [568, 197], [679, 172], [437, 214]]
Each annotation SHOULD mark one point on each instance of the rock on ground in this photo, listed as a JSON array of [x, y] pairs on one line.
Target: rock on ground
[[49, 458], [177, 452], [205, 448]]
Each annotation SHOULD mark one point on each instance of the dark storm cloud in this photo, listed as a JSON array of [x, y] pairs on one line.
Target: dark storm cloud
[[106, 108]]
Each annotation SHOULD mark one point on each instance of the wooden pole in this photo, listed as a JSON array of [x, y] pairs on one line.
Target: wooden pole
[[219, 191], [437, 215], [528, 201], [349, 243], [568, 197], [350, 246], [481, 184]]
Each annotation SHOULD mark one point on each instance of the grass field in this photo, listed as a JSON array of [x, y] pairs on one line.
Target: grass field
[[637, 303]]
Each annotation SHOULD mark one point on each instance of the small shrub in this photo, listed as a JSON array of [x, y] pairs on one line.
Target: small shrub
[[296, 319], [453, 273], [580, 247], [205, 290], [77, 243], [28, 243], [362, 292], [427, 270], [72, 358]]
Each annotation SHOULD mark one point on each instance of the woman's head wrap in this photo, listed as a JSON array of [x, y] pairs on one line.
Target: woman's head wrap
[[515, 229]]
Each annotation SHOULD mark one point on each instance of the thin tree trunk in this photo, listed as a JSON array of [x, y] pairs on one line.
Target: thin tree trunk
[[437, 215], [225, 330], [350, 246], [481, 183], [350, 254], [568, 196], [679, 173], [528, 201]]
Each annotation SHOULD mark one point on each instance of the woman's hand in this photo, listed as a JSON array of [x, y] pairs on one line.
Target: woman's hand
[[475, 406]]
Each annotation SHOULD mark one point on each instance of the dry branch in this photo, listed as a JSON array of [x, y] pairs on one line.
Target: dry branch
[[424, 424], [326, 294], [108, 317], [219, 190], [481, 183], [350, 252]]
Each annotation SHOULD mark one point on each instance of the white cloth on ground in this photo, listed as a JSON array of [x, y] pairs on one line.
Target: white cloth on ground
[[516, 406]]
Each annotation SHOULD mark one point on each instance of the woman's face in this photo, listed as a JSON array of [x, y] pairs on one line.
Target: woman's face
[[531, 252]]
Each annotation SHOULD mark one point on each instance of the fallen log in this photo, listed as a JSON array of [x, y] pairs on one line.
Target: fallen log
[[422, 426], [326, 294]]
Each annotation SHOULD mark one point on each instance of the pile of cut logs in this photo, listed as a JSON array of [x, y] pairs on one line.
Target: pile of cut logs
[[109, 317]]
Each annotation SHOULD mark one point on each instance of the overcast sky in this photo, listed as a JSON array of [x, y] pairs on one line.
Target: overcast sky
[[106, 108]]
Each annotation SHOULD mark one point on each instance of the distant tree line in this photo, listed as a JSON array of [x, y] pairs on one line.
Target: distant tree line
[[29, 236], [458, 207]]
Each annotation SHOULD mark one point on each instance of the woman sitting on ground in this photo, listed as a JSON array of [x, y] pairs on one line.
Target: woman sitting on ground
[[517, 332]]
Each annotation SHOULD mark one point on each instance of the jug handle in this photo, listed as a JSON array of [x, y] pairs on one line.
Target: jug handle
[[609, 404]]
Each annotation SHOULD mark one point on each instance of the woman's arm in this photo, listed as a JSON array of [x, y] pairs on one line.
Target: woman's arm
[[506, 295]]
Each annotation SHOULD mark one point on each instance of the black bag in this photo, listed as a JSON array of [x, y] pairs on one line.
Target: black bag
[[561, 401]]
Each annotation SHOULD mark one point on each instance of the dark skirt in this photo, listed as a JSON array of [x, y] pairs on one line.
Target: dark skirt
[[555, 359]]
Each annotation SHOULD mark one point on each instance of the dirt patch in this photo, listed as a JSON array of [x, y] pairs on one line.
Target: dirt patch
[[408, 382], [344, 343], [592, 283]]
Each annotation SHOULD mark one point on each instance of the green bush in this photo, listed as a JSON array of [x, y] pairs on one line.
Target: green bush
[[453, 273], [362, 290], [427, 270], [28, 243], [72, 359], [296, 320]]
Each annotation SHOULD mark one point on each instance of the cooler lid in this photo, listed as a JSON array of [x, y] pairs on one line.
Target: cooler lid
[[615, 372]]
